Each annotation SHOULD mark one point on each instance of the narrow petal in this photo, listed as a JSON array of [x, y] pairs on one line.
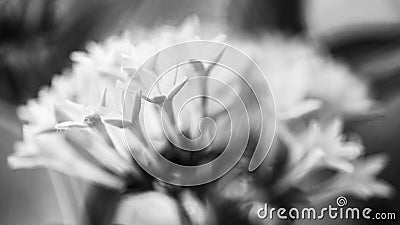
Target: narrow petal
[[136, 105], [177, 88], [198, 66], [215, 61], [103, 97], [61, 115], [69, 125], [128, 70], [52, 151], [119, 123], [158, 100], [302, 109]]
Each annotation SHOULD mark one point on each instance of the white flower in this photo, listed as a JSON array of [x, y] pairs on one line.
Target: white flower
[[317, 147], [298, 73], [78, 125], [53, 151], [361, 182], [80, 112], [149, 208], [337, 152], [83, 111]]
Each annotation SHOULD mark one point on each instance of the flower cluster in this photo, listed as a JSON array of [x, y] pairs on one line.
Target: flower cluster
[[76, 127]]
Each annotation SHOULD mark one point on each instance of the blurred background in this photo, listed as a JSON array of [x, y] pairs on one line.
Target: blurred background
[[37, 37]]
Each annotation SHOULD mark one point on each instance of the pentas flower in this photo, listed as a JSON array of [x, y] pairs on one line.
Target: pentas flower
[[315, 148], [82, 110], [90, 123], [85, 106], [302, 78], [361, 182]]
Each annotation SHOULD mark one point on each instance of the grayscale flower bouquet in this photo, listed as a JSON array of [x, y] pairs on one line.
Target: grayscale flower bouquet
[[100, 122]]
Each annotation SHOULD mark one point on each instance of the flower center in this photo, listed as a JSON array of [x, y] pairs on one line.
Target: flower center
[[92, 119]]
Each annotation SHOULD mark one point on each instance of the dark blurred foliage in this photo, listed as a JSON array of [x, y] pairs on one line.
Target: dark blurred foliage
[[100, 205], [37, 37], [257, 16], [101, 202], [374, 52]]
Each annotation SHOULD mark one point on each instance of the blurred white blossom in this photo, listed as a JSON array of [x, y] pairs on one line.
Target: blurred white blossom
[[299, 75], [361, 182]]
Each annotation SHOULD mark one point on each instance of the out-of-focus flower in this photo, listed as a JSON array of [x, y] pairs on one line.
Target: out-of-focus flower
[[149, 208], [313, 95], [361, 182], [302, 79], [315, 148], [334, 150]]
